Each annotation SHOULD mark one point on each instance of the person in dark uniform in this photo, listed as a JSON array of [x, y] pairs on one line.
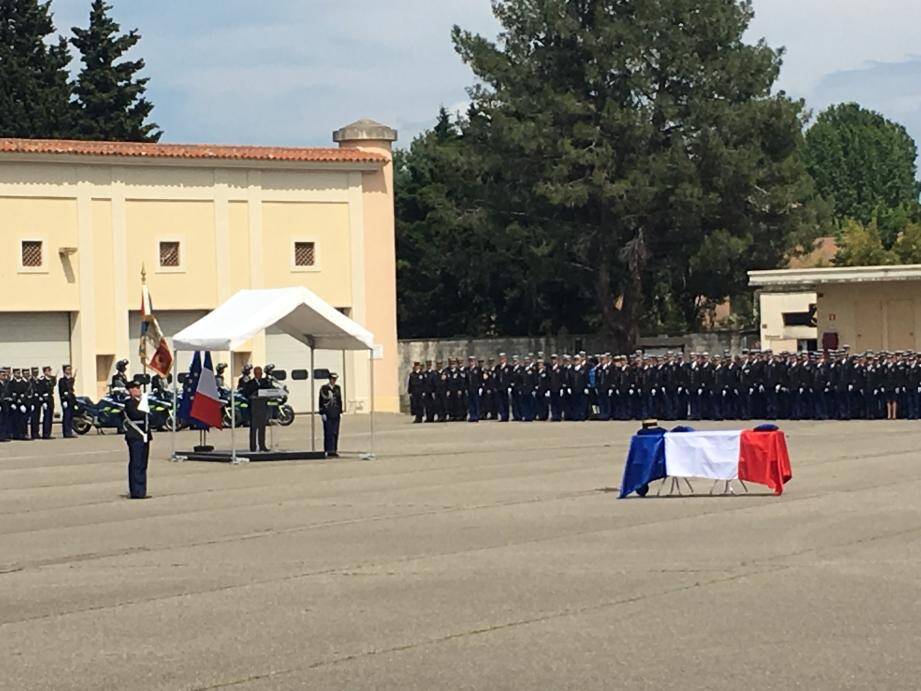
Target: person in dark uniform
[[331, 414], [46, 400], [246, 376], [474, 389], [138, 438], [258, 409], [503, 387], [416, 390], [5, 408], [68, 401], [218, 375], [120, 378], [17, 390], [35, 403], [429, 391], [555, 386]]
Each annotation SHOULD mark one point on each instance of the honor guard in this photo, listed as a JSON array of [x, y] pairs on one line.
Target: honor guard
[[415, 387], [46, 385], [68, 401], [138, 438], [5, 421], [331, 414]]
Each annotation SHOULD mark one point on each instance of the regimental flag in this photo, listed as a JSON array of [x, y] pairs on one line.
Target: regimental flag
[[162, 360], [206, 404]]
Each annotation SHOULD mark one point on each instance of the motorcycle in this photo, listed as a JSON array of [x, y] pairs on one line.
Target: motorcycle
[[280, 412], [108, 413], [241, 410]]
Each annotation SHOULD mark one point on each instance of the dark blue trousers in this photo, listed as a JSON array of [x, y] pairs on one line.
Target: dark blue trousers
[[556, 406], [502, 397], [473, 406], [67, 421], [138, 451], [47, 419], [331, 433]]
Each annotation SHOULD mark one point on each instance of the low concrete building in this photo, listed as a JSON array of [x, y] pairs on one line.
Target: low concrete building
[[787, 321], [79, 219], [865, 307]]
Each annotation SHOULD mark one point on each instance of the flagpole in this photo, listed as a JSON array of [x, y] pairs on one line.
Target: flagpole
[[141, 346]]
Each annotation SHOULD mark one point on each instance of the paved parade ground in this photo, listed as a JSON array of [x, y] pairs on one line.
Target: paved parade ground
[[466, 556]]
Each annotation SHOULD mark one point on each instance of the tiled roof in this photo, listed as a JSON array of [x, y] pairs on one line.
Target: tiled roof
[[188, 151]]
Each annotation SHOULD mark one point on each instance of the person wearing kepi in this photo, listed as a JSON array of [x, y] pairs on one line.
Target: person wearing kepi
[[138, 437], [5, 407], [68, 401], [46, 392], [331, 414]]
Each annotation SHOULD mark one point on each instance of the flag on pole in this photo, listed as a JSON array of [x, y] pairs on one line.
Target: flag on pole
[[161, 361], [189, 386], [206, 404]]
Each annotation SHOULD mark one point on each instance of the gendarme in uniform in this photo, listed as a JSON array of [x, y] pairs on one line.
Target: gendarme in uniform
[[138, 437]]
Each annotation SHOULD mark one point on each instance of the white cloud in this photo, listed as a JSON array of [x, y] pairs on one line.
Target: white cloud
[[291, 71]]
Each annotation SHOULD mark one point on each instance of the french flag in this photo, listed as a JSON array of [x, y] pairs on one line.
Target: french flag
[[754, 456], [206, 403]]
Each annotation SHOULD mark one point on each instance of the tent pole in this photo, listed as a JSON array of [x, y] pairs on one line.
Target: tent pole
[[175, 412], [371, 421], [233, 414], [313, 417]]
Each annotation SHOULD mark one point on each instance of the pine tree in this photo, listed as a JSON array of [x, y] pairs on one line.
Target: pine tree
[[110, 96], [34, 89], [641, 146]]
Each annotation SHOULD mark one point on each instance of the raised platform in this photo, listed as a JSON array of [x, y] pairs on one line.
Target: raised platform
[[225, 455]]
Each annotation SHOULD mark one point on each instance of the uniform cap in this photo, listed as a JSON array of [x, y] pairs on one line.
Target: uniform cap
[[333, 375]]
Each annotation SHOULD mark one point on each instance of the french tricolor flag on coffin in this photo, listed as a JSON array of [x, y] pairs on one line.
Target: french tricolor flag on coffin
[[753, 456]]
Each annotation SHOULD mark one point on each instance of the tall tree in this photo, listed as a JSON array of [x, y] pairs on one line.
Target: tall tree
[[110, 95], [640, 146], [34, 89], [457, 273], [865, 164]]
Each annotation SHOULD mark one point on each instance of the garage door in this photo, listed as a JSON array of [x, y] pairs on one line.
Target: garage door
[[34, 339], [288, 353], [171, 322]]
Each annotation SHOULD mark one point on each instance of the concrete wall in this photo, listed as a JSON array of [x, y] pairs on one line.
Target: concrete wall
[[423, 350], [872, 316]]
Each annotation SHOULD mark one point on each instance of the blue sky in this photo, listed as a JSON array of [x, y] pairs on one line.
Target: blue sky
[[291, 71]]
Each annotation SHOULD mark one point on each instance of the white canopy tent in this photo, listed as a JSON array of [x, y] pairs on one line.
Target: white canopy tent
[[298, 312]]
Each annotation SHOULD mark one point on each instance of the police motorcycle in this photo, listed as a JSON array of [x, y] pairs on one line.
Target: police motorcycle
[[241, 412], [280, 413], [160, 401], [108, 413]]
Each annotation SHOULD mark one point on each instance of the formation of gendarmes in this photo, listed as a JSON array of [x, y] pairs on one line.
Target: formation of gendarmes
[[754, 385]]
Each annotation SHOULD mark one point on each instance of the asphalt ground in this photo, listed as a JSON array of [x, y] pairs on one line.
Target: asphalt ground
[[485, 556]]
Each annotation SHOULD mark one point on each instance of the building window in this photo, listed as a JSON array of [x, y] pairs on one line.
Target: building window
[[31, 257], [800, 318], [304, 254], [169, 254]]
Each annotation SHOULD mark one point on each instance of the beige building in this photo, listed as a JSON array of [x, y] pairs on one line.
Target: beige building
[[787, 321], [78, 220], [865, 308]]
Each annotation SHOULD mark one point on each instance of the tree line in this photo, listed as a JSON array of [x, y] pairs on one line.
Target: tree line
[[620, 168], [104, 100]]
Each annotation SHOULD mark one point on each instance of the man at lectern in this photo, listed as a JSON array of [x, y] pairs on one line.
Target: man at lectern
[[258, 409]]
